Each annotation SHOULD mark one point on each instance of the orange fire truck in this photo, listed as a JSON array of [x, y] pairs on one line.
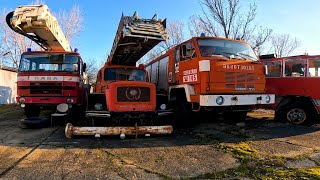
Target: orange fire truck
[[123, 102], [210, 74], [294, 80], [46, 78]]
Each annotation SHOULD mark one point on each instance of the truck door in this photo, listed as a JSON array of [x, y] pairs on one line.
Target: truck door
[[187, 67]]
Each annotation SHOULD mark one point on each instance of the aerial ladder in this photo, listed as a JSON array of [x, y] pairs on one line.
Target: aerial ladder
[[37, 23], [135, 37], [50, 77]]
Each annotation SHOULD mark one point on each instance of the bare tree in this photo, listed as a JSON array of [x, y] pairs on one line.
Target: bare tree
[[92, 70], [13, 43], [175, 30], [224, 18], [283, 44], [71, 22]]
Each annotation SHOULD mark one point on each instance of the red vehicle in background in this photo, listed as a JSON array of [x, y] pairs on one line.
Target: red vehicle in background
[[295, 81]]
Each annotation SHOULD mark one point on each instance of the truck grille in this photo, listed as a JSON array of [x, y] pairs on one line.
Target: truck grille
[[46, 88], [133, 94], [239, 80]]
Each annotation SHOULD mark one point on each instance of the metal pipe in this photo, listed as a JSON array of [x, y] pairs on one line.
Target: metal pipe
[[70, 130]]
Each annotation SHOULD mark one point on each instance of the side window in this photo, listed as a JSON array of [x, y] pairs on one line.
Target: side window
[[187, 51], [314, 65], [177, 57], [273, 69], [99, 76], [294, 68]]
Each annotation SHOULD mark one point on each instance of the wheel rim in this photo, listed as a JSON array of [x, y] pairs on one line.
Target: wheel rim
[[296, 116]]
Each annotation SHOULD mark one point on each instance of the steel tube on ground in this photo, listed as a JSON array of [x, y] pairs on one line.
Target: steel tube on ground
[[139, 130]]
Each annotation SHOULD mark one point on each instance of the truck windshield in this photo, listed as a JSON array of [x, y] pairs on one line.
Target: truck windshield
[[212, 47], [49, 62], [124, 74]]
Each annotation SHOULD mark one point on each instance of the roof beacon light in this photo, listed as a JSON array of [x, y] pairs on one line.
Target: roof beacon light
[[28, 49], [203, 34], [75, 50]]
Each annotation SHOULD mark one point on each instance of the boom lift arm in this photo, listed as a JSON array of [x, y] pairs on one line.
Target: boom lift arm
[[37, 23]]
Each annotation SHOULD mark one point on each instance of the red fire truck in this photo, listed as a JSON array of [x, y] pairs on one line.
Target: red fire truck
[[294, 80], [210, 74], [46, 78]]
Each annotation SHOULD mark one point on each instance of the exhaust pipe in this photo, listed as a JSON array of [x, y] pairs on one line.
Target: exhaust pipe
[[71, 131]]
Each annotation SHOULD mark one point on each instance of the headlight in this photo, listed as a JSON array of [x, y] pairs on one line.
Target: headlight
[[98, 107], [69, 101], [268, 99], [22, 100], [163, 106], [220, 100]]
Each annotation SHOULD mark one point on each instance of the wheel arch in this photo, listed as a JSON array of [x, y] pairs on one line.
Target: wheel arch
[[179, 90]]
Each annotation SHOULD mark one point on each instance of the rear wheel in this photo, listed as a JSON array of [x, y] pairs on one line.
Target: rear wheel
[[183, 112], [299, 114], [31, 111]]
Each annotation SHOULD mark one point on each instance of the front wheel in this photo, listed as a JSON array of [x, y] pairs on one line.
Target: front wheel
[[299, 114], [31, 111]]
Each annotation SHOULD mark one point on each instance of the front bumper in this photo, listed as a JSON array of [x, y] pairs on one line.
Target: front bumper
[[236, 100], [47, 100]]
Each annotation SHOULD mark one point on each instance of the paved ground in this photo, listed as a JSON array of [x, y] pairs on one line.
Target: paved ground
[[258, 149]]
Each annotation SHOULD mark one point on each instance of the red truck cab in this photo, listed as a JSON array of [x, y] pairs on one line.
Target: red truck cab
[[46, 79]]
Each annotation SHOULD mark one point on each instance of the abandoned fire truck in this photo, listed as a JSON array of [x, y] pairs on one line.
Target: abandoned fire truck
[[210, 74], [294, 80], [123, 102], [46, 78]]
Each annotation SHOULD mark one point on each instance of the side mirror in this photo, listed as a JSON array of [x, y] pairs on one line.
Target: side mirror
[[84, 67]]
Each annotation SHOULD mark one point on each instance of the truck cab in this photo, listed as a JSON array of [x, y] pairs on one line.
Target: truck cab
[[46, 79], [122, 92]]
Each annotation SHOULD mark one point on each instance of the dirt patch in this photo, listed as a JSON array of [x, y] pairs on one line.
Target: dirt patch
[[177, 162], [279, 148]]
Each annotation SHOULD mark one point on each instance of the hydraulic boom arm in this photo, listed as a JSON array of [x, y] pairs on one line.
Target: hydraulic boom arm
[[37, 23]]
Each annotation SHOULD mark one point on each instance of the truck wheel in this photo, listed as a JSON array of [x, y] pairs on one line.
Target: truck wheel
[[234, 117], [31, 111], [183, 113], [299, 114]]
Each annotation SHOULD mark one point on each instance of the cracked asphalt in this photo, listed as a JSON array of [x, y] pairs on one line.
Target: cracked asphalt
[[189, 153]]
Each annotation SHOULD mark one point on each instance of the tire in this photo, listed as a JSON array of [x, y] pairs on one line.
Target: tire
[[234, 117], [31, 111], [299, 114], [183, 113]]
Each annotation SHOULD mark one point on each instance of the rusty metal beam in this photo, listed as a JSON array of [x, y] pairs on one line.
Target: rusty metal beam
[[138, 130]]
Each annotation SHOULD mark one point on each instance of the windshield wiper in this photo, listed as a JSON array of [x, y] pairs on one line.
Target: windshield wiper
[[247, 55], [237, 55]]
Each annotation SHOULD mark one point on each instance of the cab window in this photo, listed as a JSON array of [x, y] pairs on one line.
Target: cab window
[[314, 67], [294, 68], [273, 69], [187, 51]]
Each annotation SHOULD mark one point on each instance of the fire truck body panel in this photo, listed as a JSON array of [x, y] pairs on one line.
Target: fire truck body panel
[[294, 81]]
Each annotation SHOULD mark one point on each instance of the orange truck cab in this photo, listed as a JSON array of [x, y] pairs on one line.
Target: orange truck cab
[[210, 74], [295, 82], [122, 94]]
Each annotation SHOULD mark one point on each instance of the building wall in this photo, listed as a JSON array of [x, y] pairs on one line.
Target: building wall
[[8, 86]]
